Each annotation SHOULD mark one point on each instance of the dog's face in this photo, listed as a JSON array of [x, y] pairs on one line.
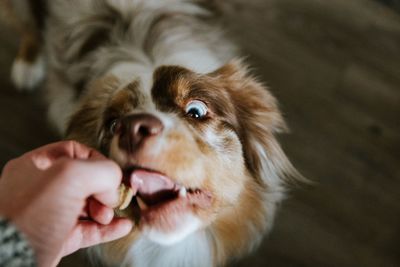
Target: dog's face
[[198, 150]]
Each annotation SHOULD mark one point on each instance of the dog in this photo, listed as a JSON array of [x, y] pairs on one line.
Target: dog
[[158, 87]]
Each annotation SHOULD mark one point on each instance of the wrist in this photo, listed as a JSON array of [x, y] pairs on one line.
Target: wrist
[[14, 246], [30, 227]]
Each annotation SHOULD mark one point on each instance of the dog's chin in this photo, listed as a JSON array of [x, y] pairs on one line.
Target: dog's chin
[[185, 225]]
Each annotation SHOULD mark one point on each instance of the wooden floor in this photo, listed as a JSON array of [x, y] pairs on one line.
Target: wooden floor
[[335, 67]]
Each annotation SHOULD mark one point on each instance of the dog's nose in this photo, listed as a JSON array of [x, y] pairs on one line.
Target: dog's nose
[[137, 128]]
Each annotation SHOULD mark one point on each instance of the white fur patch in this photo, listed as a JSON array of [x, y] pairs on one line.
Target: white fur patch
[[193, 251], [198, 59], [127, 72], [26, 75], [187, 225]]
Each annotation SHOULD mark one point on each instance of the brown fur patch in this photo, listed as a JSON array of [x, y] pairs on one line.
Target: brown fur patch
[[238, 230], [85, 123], [94, 41], [169, 87], [29, 48], [124, 101]]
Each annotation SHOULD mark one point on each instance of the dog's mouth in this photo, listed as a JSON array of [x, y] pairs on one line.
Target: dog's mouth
[[157, 199]]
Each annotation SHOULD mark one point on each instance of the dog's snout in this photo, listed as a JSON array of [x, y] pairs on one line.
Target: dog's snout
[[136, 129]]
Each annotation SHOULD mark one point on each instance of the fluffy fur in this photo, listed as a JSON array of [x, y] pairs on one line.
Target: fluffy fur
[[107, 60]]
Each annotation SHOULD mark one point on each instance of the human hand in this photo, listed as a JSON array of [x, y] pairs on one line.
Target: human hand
[[44, 193]]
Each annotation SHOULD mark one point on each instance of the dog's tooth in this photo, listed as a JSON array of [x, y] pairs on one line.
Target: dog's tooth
[[182, 192], [141, 203]]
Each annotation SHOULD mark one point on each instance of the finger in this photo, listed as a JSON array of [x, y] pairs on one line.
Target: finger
[[100, 213], [107, 181], [97, 178], [45, 156], [88, 234]]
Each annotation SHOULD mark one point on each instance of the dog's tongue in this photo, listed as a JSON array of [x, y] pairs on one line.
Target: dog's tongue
[[148, 182]]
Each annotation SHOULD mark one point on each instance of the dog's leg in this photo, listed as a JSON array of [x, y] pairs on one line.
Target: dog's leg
[[27, 17], [28, 67]]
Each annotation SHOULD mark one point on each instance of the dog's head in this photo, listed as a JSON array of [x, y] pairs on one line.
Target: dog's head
[[198, 149]]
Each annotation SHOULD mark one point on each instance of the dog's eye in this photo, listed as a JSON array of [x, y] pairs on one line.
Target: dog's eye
[[111, 126], [196, 109]]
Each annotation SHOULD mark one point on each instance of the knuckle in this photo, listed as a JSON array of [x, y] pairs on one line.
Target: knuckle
[[70, 143], [10, 165]]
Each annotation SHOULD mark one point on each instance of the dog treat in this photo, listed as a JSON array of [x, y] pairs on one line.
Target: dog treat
[[125, 196]]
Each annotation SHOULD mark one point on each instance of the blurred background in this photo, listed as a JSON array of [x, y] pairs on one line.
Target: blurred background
[[334, 65]]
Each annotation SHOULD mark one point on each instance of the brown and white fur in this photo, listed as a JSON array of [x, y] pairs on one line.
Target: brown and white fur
[[104, 63]]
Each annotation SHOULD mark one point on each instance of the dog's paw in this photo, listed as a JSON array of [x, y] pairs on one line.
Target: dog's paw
[[27, 76]]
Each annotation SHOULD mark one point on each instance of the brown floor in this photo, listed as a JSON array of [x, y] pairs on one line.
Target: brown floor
[[335, 67]]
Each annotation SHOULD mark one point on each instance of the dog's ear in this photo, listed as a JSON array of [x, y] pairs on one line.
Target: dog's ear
[[259, 119]]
